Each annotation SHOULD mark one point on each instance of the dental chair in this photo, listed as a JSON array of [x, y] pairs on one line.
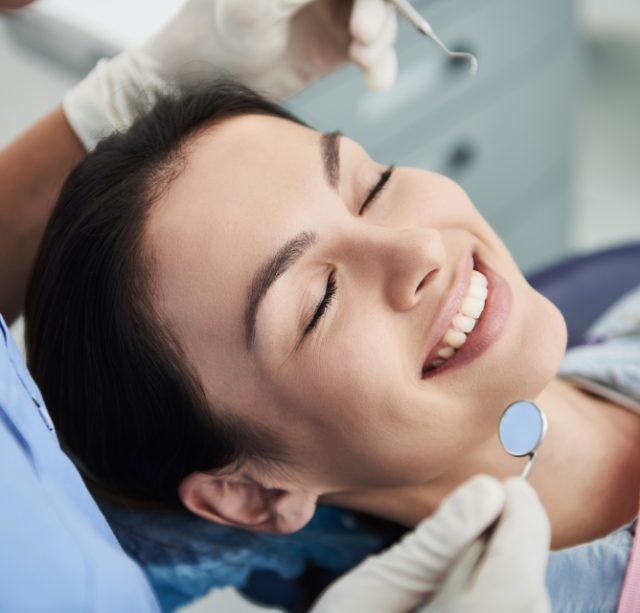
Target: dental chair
[[584, 286], [185, 556]]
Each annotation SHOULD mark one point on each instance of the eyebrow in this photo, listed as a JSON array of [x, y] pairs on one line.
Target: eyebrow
[[330, 146], [293, 249], [275, 267]]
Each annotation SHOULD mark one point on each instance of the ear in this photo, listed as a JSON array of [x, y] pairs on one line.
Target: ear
[[240, 501]]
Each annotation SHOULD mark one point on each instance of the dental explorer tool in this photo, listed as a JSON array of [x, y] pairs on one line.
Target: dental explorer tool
[[406, 9], [522, 427]]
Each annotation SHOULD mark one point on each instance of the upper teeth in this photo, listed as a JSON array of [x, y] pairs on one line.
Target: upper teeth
[[464, 320]]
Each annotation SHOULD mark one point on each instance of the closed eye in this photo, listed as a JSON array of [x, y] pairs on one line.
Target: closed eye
[[324, 303], [377, 188], [332, 286]]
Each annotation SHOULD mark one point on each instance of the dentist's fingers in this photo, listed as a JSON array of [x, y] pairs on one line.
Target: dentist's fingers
[[511, 576], [382, 74], [370, 54], [373, 27], [368, 18], [405, 576], [461, 517]]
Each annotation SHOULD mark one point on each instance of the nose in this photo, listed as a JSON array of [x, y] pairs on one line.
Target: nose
[[403, 261]]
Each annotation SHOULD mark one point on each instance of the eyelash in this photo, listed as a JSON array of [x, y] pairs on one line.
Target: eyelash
[[377, 188], [332, 286], [324, 303]]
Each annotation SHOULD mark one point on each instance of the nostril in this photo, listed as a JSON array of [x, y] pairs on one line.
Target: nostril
[[425, 280]]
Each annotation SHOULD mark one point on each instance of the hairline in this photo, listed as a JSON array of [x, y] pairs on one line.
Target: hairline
[[271, 449]]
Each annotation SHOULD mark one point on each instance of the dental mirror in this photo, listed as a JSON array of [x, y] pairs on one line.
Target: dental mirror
[[521, 429]]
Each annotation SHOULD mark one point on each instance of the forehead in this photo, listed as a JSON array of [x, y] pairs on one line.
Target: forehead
[[236, 169], [247, 186]]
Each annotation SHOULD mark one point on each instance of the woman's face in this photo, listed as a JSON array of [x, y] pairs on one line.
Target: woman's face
[[306, 313]]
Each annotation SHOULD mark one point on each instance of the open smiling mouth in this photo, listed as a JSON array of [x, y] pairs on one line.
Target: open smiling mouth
[[479, 320]]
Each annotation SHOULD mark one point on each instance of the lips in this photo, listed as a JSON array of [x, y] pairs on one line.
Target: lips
[[457, 293], [489, 327]]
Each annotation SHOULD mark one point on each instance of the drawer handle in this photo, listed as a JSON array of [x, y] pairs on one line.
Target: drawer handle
[[461, 157]]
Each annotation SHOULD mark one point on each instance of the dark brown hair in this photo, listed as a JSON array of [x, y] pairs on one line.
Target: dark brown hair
[[127, 406]]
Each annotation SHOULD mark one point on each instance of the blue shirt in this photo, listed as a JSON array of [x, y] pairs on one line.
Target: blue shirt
[[57, 552]]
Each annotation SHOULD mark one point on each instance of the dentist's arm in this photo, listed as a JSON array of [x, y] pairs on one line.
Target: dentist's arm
[[32, 169], [510, 576]]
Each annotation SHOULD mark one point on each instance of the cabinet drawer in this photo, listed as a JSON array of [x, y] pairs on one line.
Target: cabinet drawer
[[496, 152], [500, 32]]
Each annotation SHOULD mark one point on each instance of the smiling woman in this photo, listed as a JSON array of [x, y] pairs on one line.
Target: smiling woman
[[233, 312]]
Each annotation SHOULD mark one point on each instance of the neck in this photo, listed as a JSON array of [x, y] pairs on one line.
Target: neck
[[587, 473]]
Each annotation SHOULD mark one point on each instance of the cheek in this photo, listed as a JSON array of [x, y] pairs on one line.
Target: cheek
[[383, 423], [431, 199], [358, 369], [348, 395]]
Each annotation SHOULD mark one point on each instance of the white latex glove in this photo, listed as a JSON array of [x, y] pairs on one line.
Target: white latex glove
[[510, 577], [274, 46]]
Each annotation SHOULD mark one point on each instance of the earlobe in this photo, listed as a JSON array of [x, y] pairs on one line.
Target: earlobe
[[242, 502]]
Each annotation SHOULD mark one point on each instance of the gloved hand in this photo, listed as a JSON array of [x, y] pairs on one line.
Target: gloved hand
[[274, 46], [510, 576]]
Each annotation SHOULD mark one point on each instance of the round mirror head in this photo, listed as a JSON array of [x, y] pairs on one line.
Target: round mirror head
[[522, 428]]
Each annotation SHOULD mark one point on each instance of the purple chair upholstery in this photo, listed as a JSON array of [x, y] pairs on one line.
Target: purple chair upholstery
[[583, 286]]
